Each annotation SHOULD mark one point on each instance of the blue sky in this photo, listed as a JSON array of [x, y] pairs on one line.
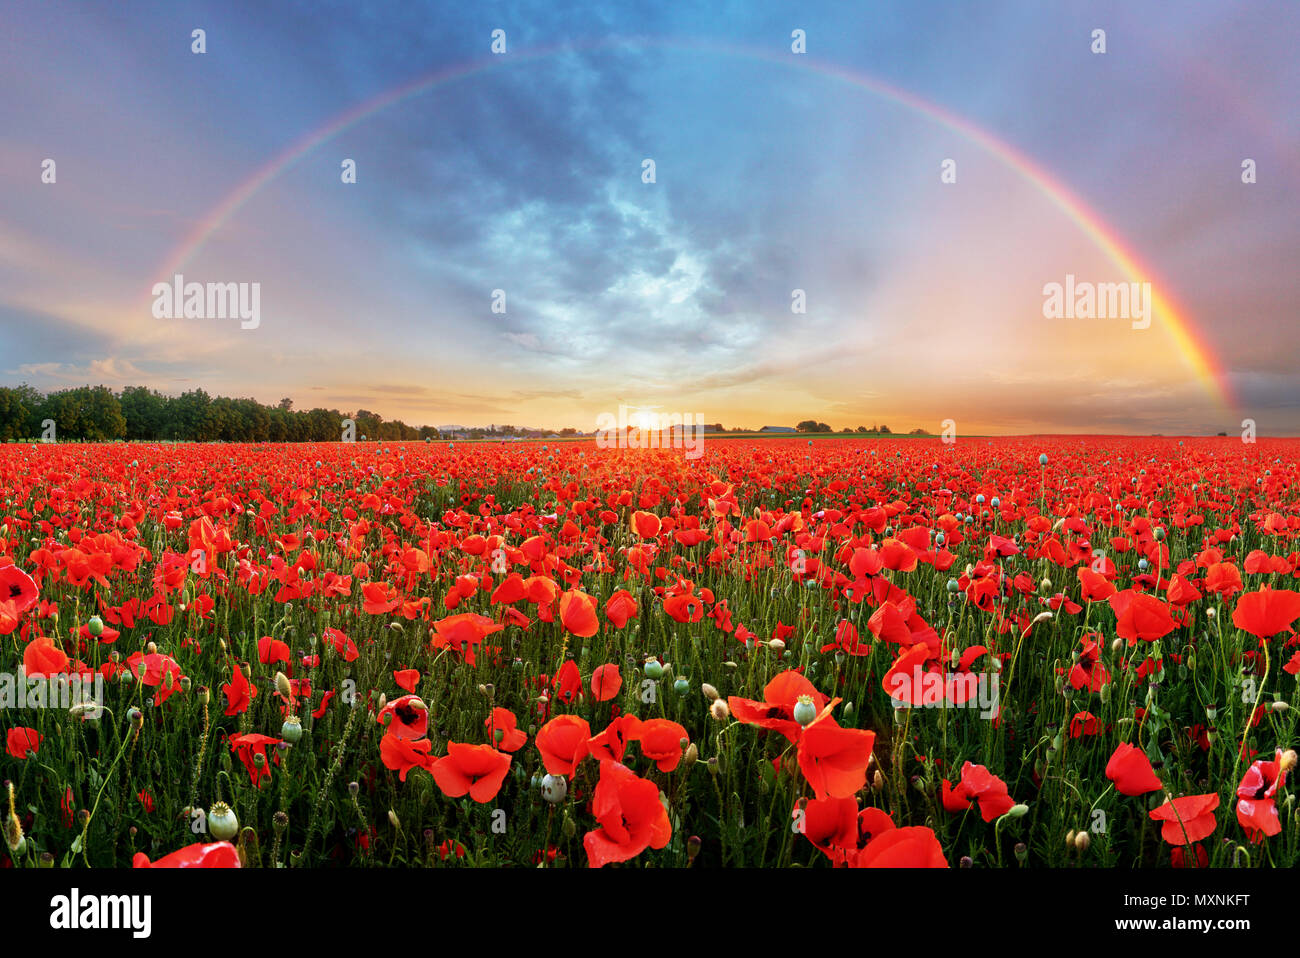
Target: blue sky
[[924, 298]]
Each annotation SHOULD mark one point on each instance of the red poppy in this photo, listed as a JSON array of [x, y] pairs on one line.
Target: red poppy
[[199, 855], [620, 607], [20, 741], [630, 816], [834, 760], [42, 658], [403, 754], [406, 717], [776, 712], [1266, 612], [613, 741], [606, 682], [661, 742], [563, 743], [977, 786], [912, 847], [1140, 615], [238, 691], [18, 593], [477, 770], [503, 731], [1257, 796], [408, 679], [578, 613], [1131, 771], [1188, 819]]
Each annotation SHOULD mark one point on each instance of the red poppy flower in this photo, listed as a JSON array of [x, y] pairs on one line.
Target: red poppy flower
[[18, 593], [503, 731], [406, 717], [1188, 819], [567, 683], [199, 855], [341, 644], [403, 754], [250, 747], [1141, 616], [661, 742], [477, 770], [1256, 798], [630, 816], [20, 741], [612, 742], [1266, 612], [1131, 771], [833, 759], [563, 743], [776, 712], [42, 658], [977, 785], [606, 682], [408, 679], [831, 824], [620, 607], [912, 847], [578, 613], [238, 691]]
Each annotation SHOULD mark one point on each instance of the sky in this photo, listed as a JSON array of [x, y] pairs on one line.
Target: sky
[[775, 171]]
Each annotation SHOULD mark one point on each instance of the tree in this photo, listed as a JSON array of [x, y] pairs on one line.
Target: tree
[[13, 415], [286, 404]]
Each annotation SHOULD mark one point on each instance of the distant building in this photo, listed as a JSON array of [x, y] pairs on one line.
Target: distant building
[[778, 429]]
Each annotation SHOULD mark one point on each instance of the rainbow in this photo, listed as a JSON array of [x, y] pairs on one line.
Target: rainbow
[[1191, 345]]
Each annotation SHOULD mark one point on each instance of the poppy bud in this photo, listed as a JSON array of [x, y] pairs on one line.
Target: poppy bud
[[1280, 706], [777, 645], [135, 717], [1016, 811], [282, 685], [690, 756], [394, 820], [1069, 839], [713, 765], [877, 781], [1117, 647], [720, 710], [1022, 852], [569, 827], [709, 691], [692, 847], [354, 788], [1287, 762], [1082, 841], [223, 825]]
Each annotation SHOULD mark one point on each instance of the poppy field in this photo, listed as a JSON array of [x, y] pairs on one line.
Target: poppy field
[[1010, 653]]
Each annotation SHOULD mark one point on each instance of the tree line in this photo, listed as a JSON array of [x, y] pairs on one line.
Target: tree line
[[138, 413]]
